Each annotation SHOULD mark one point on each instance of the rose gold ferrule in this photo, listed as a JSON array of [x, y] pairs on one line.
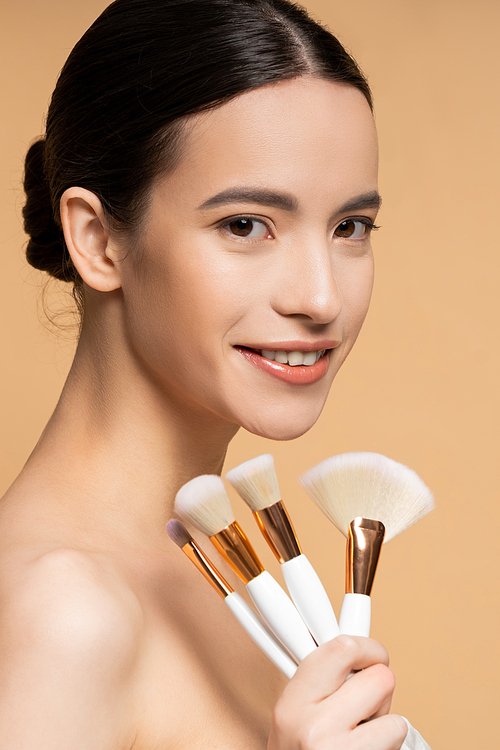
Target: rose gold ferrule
[[198, 557], [364, 543], [237, 551], [277, 529]]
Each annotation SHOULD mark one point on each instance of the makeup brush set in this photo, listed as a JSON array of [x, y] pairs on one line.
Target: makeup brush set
[[369, 498]]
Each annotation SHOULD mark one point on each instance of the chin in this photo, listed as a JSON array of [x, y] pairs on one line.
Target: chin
[[276, 426], [280, 433]]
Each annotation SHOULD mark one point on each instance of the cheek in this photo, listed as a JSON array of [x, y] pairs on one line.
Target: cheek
[[356, 291], [181, 302]]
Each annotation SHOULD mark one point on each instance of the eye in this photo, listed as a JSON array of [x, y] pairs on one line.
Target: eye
[[354, 229], [244, 226]]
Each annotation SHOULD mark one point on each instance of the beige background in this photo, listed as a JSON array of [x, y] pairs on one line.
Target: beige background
[[422, 384]]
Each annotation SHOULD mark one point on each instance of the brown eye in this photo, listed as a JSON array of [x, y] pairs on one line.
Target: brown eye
[[351, 229], [246, 227]]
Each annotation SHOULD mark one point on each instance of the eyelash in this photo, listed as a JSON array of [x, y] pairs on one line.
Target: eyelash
[[369, 226], [244, 217]]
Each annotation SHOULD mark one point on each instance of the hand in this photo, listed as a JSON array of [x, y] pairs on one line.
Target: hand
[[320, 709]]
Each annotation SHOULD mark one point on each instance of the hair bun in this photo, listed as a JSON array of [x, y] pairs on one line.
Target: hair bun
[[46, 248]]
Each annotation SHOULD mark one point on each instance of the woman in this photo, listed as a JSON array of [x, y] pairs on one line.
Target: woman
[[208, 183]]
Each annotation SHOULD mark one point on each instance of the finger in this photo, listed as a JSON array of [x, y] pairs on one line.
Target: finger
[[366, 695], [386, 733], [326, 669]]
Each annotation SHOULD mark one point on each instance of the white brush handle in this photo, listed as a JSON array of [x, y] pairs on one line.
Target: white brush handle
[[310, 598], [414, 740], [279, 613], [355, 615], [260, 634]]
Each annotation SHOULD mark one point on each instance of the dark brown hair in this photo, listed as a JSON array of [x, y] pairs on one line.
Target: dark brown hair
[[115, 117]]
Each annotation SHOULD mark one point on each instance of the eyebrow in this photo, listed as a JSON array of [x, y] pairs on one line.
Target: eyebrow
[[367, 200], [285, 201], [252, 195]]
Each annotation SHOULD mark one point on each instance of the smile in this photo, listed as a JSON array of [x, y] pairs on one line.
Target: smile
[[293, 358], [294, 366]]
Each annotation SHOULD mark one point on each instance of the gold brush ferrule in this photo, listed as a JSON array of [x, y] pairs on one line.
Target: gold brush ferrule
[[364, 543], [232, 544], [198, 557], [277, 529]]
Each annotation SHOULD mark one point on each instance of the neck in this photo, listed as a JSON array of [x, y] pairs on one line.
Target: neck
[[118, 448]]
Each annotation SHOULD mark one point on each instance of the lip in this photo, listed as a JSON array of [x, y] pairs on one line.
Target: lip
[[299, 375], [294, 346]]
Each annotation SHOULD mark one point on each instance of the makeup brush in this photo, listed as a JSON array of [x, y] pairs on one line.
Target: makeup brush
[[368, 497], [203, 501], [257, 483], [238, 606]]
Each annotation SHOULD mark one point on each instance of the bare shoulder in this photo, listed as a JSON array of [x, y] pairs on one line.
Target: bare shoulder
[[69, 640], [70, 599]]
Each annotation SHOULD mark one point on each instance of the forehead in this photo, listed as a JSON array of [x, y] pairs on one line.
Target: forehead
[[308, 136]]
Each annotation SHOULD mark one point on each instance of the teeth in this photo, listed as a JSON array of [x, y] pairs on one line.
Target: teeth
[[293, 358]]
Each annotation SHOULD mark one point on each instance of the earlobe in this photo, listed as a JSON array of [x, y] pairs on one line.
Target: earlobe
[[88, 240]]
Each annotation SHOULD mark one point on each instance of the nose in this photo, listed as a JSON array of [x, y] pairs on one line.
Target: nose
[[307, 286]]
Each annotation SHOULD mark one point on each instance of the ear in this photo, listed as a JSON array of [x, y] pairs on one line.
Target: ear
[[87, 239]]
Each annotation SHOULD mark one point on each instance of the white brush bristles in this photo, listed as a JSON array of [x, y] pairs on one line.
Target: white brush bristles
[[368, 485], [256, 482], [204, 502]]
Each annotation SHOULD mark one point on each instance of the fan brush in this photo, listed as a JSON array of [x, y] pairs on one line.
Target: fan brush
[[369, 498]]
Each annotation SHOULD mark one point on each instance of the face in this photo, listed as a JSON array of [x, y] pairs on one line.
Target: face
[[254, 270]]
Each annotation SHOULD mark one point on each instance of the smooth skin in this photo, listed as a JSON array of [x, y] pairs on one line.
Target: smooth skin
[[110, 639]]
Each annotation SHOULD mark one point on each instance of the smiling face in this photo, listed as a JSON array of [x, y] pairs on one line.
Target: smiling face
[[254, 270]]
